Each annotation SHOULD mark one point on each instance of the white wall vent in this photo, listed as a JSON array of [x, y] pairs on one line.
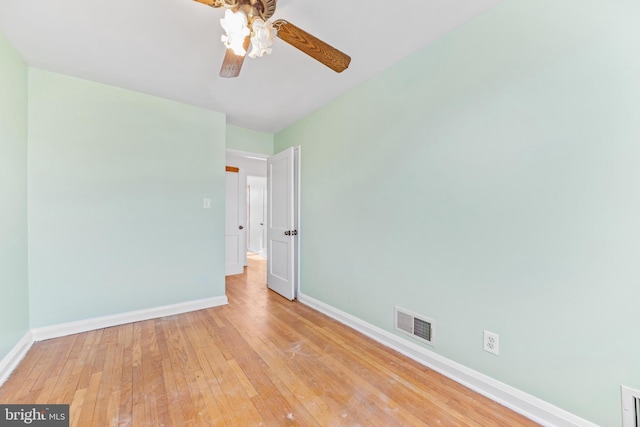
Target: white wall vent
[[419, 327], [630, 407]]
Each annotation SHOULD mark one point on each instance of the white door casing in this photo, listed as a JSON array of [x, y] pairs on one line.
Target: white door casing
[[257, 214], [235, 221], [282, 223]]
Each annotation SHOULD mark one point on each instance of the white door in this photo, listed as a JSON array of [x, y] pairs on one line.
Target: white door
[[257, 214], [235, 237], [281, 223]]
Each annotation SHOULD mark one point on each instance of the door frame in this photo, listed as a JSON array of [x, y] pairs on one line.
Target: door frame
[[298, 195], [241, 208]]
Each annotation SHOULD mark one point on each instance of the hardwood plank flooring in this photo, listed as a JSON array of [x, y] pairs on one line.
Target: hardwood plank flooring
[[261, 360]]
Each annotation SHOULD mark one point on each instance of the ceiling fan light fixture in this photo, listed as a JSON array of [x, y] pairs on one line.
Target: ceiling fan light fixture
[[246, 25], [262, 38], [236, 28]]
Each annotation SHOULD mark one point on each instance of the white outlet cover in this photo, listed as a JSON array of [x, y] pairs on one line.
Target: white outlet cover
[[491, 343]]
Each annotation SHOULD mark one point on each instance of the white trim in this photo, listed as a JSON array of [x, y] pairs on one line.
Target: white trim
[[55, 331], [629, 396], [523, 403], [298, 163], [13, 358], [248, 154]]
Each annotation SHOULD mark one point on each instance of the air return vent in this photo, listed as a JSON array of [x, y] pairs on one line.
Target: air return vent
[[412, 324], [630, 407]]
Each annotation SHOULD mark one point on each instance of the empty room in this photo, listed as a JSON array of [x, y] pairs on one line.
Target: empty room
[[447, 229]]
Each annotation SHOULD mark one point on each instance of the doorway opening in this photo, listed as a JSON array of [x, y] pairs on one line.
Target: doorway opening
[[247, 200], [262, 217], [257, 215]]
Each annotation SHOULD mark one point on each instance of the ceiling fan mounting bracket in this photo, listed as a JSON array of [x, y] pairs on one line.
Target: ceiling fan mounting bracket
[[252, 8]]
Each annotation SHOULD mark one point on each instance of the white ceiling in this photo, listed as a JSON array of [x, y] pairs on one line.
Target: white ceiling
[[172, 49]]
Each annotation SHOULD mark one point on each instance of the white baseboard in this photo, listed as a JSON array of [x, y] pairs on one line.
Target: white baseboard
[[13, 358], [525, 404], [55, 331]]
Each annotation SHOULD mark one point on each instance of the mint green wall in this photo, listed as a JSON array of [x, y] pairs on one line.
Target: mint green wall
[[490, 181], [14, 292], [116, 182], [249, 140]]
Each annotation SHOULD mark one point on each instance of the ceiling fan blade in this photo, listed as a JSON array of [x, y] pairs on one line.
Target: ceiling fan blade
[[232, 63], [312, 46]]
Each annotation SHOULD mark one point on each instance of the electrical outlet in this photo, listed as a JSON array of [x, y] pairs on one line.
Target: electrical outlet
[[491, 343], [206, 203]]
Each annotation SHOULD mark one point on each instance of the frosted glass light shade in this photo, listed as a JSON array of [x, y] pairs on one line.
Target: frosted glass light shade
[[262, 38], [236, 29]]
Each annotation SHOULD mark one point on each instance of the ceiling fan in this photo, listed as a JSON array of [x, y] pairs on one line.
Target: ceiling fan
[[246, 23]]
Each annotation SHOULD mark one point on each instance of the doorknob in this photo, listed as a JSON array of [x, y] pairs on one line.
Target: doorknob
[[287, 233], [241, 227]]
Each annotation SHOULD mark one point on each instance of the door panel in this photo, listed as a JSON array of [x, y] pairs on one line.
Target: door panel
[[235, 240], [280, 252], [281, 221]]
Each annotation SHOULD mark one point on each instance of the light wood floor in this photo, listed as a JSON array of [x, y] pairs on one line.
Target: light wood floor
[[261, 360]]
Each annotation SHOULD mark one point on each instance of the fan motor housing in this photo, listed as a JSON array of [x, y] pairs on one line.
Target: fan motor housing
[[252, 8]]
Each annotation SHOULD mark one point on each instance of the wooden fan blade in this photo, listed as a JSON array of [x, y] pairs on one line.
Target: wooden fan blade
[[312, 46], [232, 63]]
